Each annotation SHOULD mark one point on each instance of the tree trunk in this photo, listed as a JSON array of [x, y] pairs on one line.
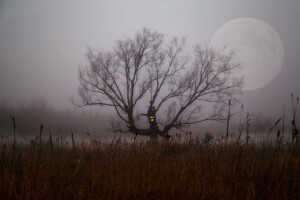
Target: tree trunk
[[153, 130], [153, 137]]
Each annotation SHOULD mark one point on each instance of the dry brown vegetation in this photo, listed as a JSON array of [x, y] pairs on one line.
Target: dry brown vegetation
[[192, 170]]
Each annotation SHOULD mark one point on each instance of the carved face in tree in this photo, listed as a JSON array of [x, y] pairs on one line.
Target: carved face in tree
[[152, 119]]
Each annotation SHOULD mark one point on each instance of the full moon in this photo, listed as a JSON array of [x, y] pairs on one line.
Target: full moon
[[257, 47]]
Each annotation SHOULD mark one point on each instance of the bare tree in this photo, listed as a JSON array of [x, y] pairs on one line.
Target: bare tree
[[151, 77]]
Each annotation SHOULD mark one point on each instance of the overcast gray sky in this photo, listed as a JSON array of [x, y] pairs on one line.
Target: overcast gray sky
[[43, 43]]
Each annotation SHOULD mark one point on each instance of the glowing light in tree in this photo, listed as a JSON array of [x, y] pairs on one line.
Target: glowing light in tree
[[151, 118]]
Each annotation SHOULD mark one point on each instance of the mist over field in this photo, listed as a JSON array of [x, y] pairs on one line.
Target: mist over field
[[94, 125]]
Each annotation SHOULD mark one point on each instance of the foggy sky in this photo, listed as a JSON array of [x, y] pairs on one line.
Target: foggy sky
[[43, 43]]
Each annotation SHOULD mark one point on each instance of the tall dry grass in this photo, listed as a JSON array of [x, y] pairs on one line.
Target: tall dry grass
[[119, 170]]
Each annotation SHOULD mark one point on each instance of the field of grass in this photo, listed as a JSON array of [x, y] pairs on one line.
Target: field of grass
[[119, 170]]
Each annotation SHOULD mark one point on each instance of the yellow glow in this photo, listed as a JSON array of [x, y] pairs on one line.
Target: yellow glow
[[151, 118]]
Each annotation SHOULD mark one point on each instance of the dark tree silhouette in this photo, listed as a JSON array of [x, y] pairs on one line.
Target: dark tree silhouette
[[149, 76]]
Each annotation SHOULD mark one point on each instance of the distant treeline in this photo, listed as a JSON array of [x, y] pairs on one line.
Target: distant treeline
[[58, 122]]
